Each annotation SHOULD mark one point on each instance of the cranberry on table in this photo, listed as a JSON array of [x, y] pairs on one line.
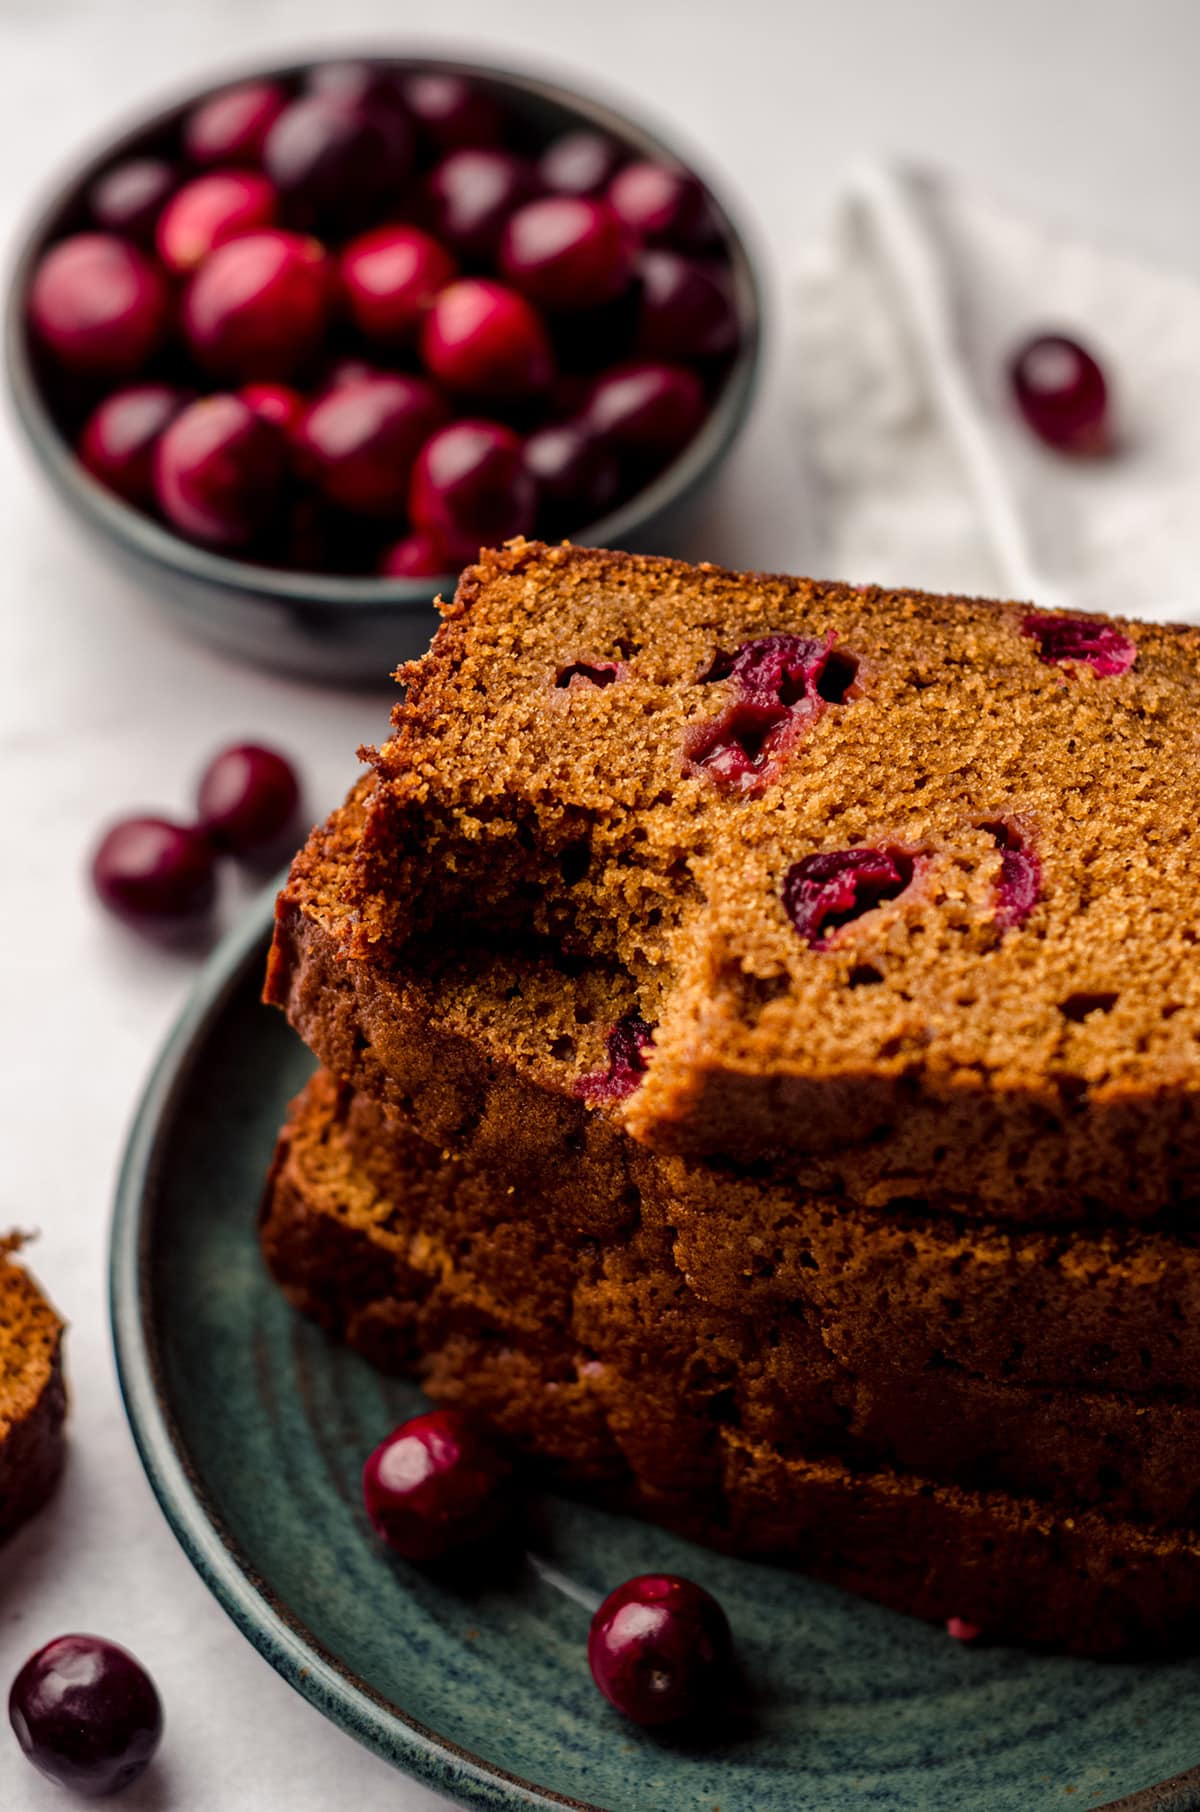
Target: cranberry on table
[[662, 204], [358, 442], [472, 489], [389, 279], [660, 1649], [579, 163], [647, 410], [129, 198], [686, 309], [470, 195], [210, 210], [119, 437], [577, 478], [416, 556], [248, 799], [231, 128], [336, 166], [258, 306], [566, 252], [220, 471], [86, 1714], [98, 305], [1061, 392], [483, 339], [153, 873], [438, 1482], [453, 113], [277, 403]]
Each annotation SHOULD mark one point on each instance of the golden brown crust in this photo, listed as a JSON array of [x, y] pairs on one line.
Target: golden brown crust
[[33, 1399]]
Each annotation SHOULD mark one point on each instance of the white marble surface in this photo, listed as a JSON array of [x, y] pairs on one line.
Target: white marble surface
[[1083, 113]]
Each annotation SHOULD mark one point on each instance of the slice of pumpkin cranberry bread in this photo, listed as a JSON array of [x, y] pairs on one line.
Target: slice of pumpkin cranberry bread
[[890, 875], [33, 1398]]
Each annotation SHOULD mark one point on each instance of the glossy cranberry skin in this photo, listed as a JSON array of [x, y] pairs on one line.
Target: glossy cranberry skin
[[153, 873], [577, 478], [119, 437], [646, 409], [472, 489], [685, 310], [220, 471], [276, 403], [336, 167], [660, 1649], [128, 199], [566, 252], [482, 339], [416, 556], [359, 442], [1061, 392], [579, 163], [210, 210], [389, 279], [248, 799], [452, 113], [99, 306], [662, 205], [257, 307], [232, 127], [471, 194], [86, 1714], [435, 1484]]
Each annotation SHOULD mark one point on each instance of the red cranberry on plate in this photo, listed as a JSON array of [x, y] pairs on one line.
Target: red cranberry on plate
[[86, 1714], [98, 305], [257, 308], [119, 437], [220, 471], [645, 409], [662, 204], [337, 167], [453, 113], [579, 163], [1061, 392], [686, 309], [416, 556], [471, 194], [153, 873], [210, 210], [577, 478], [231, 127], [248, 800], [660, 1649], [437, 1483], [389, 278], [566, 252], [483, 339], [277, 403], [359, 441], [472, 489], [129, 198]]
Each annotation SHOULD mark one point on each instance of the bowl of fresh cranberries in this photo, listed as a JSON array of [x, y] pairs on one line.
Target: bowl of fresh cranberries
[[299, 344]]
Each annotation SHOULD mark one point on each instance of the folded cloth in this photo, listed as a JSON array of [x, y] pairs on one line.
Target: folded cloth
[[921, 469]]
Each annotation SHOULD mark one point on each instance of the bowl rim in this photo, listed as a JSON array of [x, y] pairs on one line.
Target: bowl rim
[[160, 546]]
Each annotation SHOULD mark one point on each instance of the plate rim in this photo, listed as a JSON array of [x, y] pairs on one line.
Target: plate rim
[[281, 1638]]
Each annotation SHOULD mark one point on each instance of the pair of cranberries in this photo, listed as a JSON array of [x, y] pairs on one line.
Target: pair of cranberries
[[157, 874]]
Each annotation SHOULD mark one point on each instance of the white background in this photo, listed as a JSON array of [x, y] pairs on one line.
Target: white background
[[1085, 113]]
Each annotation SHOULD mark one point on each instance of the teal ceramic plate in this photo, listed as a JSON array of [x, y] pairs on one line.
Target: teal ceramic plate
[[253, 1429]]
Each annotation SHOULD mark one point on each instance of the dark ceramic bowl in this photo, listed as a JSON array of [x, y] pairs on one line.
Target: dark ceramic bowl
[[323, 626]]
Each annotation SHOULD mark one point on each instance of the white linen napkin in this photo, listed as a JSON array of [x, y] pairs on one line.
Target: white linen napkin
[[923, 473]]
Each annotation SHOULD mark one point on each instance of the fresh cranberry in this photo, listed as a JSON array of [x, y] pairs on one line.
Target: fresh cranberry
[[257, 308], [481, 339], [470, 489], [389, 279], [248, 799], [660, 1649], [416, 556], [210, 210], [566, 252], [119, 437], [962, 1631], [1019, 887], [577, 478], [823, 892], [1061, 392], [436, 1483], [1086, 639], [661, 204], [686, 310], [151, 872], [86, 1714], [98, 305], [277, 403], [630, 1039], [579, 163], [471, 194], [359, 442], [336, 167], [232, 127], [646, 409], [220, 471], [453, 113], [128, 199]]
